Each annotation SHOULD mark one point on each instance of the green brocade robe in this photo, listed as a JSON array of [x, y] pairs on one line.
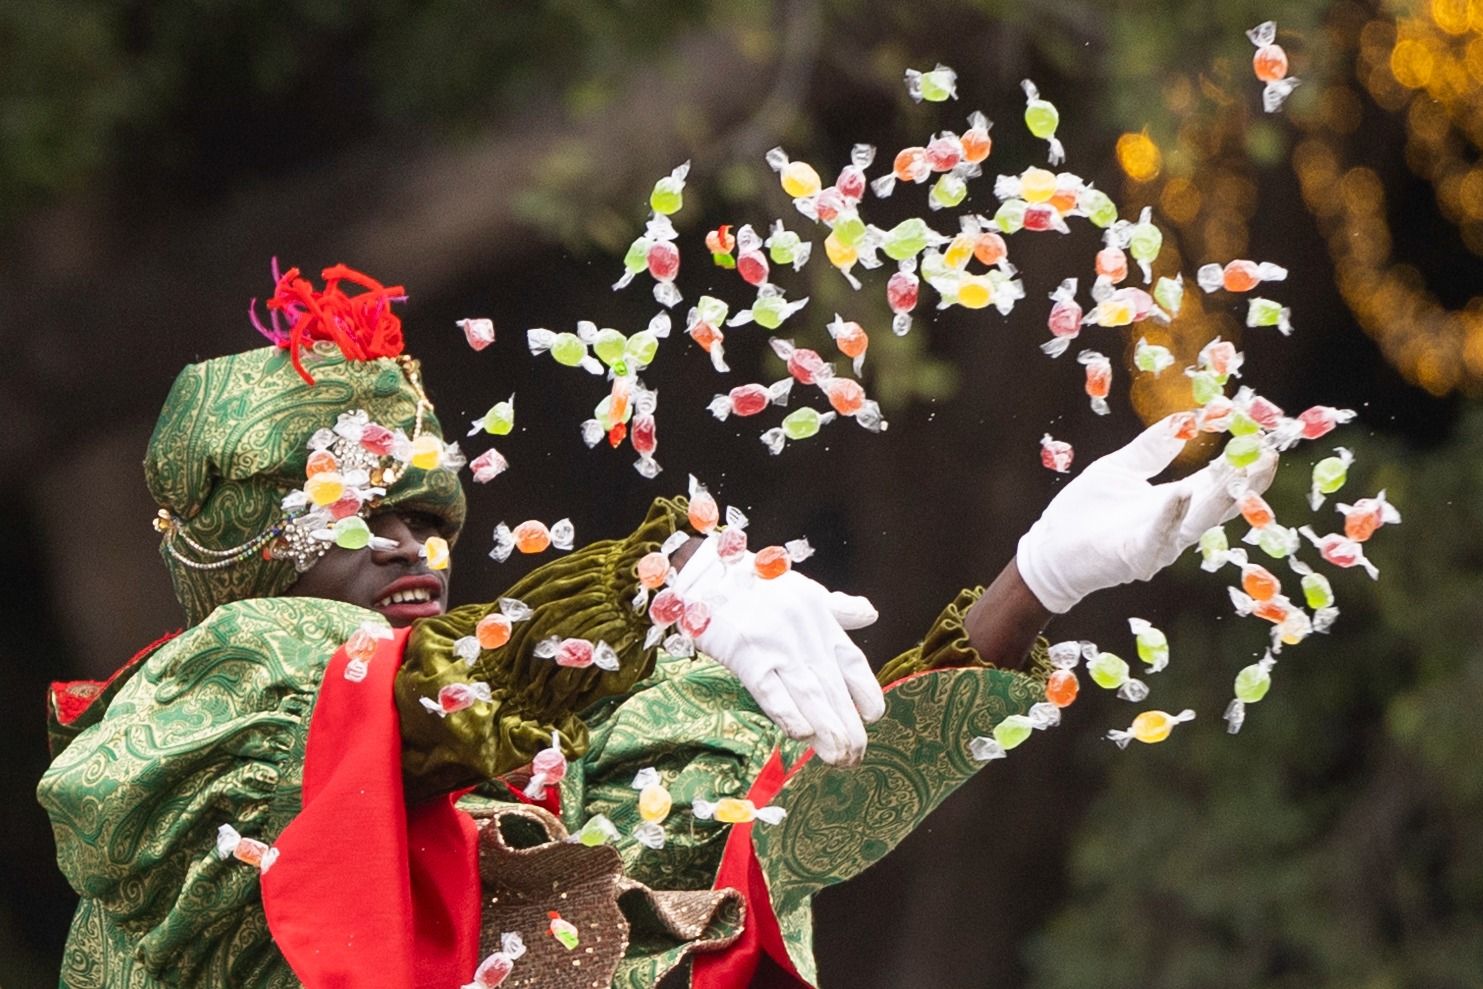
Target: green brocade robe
[[211, 729]]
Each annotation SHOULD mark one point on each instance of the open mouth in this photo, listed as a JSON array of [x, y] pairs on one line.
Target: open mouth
[[416, 594], [411, 597]]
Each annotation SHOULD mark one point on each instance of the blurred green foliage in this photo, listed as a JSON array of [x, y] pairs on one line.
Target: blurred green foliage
[[1288, 855]]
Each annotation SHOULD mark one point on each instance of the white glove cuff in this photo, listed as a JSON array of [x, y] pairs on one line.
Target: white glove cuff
[[703, 574], [1048, 590]]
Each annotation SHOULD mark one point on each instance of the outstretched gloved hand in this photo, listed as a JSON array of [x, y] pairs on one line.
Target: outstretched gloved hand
[[785, 640], [1111, 526]]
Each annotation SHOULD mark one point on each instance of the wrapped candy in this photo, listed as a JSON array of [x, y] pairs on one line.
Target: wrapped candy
[[774, 561], [654, 251], [1270, 65], [531, 536], [548, 768], [1265, 312], [1221, 358], [909, 165], [361, 646], [597, 830], [495, 628], [567, 349], [751, 263], [975, 140], [851, 181], [1153, 645], [479, 332], [1042, 118], [1169, 294], [455, 697], [703, 325], [1318, 594], [494, 969], [1111, 262], [770, 309], [1150, 727], [1362, 518], [735, 810], [1239, 275], [721, 242], [1064, 321], [806, 366], [799, 179], [847, 397], [498, 421], [1256, 580], [1329, 475], [1277, 541], [1145, 240], [1341, 551], [800, 424], [488, 465], [1096, 206], [902, 292], [435, 552], [1098, 379], [1321, 420], [653, 804], [851, 339], [704, 513], [577, 653], [1055, 454], [564, 931], [1252, 684], [750, 399], [1151, 357], [936, 86], [230, 844], [786, 247], [1110, 672], [1214, 548], [668, 195]]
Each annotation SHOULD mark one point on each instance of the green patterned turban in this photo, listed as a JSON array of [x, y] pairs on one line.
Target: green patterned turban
[[232, 441]]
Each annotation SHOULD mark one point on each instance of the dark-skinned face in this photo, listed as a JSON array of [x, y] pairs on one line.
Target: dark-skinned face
[[395, 582]]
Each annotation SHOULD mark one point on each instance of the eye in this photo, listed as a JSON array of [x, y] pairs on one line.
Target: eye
[[421, 523]]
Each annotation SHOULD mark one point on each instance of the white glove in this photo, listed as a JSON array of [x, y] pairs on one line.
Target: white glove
[[785, 640], [1110, 526]]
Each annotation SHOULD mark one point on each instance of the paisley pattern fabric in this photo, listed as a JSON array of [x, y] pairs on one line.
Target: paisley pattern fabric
[[211, 729], [231, 442]]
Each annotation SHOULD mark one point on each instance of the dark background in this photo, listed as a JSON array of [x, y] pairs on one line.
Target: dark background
[[496, 158]]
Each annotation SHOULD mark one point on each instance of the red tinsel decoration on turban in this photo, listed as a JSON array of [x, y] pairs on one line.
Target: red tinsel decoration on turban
[[361, 325]]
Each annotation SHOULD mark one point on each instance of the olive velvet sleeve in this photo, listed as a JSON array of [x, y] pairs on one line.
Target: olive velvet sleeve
[[587, 595], [946, 644]]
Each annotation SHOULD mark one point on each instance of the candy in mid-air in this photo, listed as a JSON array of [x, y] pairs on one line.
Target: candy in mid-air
[[805, 365], [455, 697], [1362, 518], [1150, 727], [1270, 65], [435, 552], [494, 969], [721, 242], [531, 537], [936, 86], [1042, 118], [1238, 276], [798, 178], [1151, 357], [1098, 379], [703, 513], [703, 325], [1153, 645], [902, 291], [668, 195], [1329, 475], [1065, 319], [1110, 672], [1145, 240], [750, 399], [1252, 684], [800, 424], [1265, 312], [774, 561], [851, 339], [1214, 548], [786, 247], [498, 421], [976, 141], [488, 465], [1055, 454], [1341, 550], [568, 349], [1169, 294], [769, 310], [478, 332]]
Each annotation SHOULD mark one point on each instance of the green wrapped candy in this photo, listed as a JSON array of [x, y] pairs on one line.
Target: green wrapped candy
[[352, 532], [906, 239], [1153, 645], [949, 191], [1013, 730], [1010, 217], [1108, 670], [1243, 451]]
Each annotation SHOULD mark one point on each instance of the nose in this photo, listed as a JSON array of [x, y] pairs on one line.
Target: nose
[[392, 526]]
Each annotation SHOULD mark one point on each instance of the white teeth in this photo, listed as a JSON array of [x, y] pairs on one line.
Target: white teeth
[[416, 594]]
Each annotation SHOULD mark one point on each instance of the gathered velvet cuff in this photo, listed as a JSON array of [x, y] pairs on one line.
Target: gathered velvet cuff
[[587, 594]]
